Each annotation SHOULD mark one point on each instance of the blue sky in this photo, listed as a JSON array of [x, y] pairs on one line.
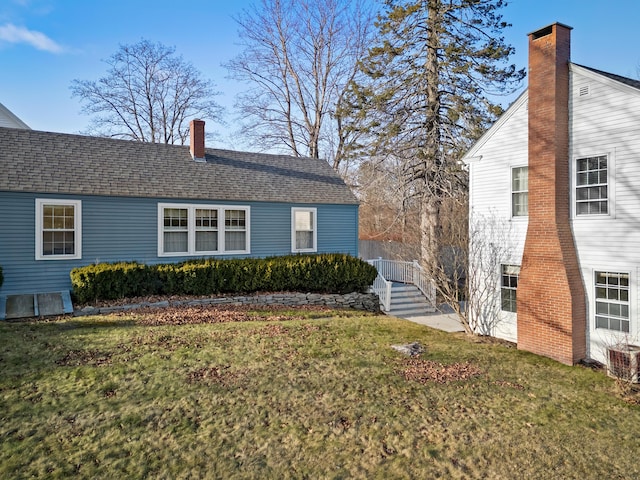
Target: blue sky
[[45, 44]]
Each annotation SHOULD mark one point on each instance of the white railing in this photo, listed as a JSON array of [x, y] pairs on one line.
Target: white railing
[[424, 283], [382, 288], [404, 272]]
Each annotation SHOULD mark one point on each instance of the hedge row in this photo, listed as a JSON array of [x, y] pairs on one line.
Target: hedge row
[[325, 273]]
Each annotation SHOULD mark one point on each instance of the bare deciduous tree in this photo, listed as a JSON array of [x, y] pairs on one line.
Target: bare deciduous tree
[[148, 94], [467, 277], [299, 57]]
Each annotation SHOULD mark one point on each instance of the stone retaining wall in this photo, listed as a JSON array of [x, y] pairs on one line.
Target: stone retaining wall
[[358, 301]]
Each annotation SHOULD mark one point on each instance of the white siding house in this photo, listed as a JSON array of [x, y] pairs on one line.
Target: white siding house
[[492, 162], [603, 201], [8, 119]]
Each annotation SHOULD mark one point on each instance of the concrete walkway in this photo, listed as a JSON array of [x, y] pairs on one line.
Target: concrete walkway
[[443, 319]]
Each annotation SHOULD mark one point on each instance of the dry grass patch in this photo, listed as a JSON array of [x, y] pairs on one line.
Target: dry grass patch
[[302, 394]]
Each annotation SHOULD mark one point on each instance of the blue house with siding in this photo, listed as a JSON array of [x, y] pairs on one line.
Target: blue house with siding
[[72, 200]]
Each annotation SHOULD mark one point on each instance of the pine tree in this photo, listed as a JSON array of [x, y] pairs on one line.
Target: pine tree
[[427, 97]]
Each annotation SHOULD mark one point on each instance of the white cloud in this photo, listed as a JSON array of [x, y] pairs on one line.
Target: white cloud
[[12, 34]]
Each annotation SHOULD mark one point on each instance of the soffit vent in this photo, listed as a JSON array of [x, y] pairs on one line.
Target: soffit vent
[[584, 91]]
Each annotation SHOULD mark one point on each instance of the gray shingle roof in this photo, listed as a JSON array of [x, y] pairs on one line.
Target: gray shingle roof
[[44, 162], [618, 78]]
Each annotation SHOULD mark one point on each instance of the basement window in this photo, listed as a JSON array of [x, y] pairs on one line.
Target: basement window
[[612, 301], [509, 287]]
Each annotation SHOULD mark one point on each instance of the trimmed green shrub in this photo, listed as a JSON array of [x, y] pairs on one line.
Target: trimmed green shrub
[[108, 281], [324, 273]]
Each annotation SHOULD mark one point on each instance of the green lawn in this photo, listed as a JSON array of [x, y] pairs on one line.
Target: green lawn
[[307, 394]]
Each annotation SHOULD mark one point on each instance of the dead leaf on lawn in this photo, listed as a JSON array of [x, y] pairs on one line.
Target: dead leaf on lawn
[[76, 358], [504, 383], [196, 314], [424, 371], [216, 375]]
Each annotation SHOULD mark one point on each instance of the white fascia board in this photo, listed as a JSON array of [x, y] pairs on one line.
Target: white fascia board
[[472, 154], [574, 68]]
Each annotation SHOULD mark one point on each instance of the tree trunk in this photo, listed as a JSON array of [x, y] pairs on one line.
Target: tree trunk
[[429, 225], [432, 161]]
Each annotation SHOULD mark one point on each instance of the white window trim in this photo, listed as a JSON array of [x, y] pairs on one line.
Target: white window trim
[[77, 222], [516, 218], [611, 190], [631, 303], [293, 230], [500, 286], [191, 229]]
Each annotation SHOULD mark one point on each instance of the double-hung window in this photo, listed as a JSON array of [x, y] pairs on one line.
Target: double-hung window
[[303, 230], [592, 193], [612, 301], [176, 230], [235, 226], [206, 230], [509, 287], [58, 229], [520, 191], [185, 229]]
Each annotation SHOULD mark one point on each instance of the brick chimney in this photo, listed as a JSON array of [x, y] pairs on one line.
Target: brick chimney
[[196, 141], [551, 296]]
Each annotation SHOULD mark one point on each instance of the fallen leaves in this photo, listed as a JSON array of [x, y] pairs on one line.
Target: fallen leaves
[[218, 375], [504, 383], [197, 314], [424, 371], [76, 358]]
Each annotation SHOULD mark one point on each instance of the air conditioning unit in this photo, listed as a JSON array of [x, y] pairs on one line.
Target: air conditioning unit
[[623, 361]]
